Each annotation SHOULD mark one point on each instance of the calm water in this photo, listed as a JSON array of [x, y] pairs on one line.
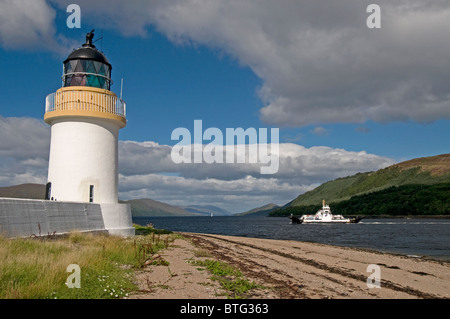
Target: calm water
[[422, 237]]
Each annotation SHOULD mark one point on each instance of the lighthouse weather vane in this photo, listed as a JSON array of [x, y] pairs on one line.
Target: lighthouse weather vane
[[89, 37]]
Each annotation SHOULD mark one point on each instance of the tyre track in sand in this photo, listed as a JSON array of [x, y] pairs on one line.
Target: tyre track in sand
[[291, 275]]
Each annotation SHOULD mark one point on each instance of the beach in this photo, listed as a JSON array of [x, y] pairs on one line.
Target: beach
[[285, 269]]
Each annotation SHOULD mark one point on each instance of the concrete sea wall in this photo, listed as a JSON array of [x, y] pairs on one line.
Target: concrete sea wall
[[25, 217]]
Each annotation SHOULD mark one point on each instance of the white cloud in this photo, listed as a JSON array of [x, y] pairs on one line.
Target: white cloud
[[234, 195], [147, 170], [318, 60], [235, 186], [320, 131], [24, 147], [24, 138], [25, 21], [30, 24], [305, 165]]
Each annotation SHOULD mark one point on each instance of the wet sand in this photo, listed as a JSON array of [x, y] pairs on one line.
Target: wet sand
[[292, 269]]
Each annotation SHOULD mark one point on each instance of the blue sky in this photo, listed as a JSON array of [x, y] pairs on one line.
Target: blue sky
[[385, 100], [168, 86]]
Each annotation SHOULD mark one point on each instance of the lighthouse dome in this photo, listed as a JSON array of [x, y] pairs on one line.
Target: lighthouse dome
[[88, 53], [87, 66]]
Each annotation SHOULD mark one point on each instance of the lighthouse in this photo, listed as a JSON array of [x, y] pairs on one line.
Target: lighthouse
[[85, 118]]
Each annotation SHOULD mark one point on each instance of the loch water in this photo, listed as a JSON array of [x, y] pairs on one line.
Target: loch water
[[425, 238]]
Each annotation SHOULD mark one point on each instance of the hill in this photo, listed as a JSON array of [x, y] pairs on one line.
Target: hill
[[421, 172], [259, 211], [148, 207], [206, 210], [426, 171], [31, 191], [139, 207]]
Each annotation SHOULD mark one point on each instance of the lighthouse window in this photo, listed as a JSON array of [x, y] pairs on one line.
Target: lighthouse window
[[90, 67], [91, 193], [101, 82], [67, 68], [73, 65], [99, 68], [87, 73], [80, 66]]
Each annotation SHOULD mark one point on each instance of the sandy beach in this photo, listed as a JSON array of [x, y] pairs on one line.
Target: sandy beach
[[291, 270]]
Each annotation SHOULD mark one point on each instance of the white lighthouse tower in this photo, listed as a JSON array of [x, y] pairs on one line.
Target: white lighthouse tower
[[85, 118]]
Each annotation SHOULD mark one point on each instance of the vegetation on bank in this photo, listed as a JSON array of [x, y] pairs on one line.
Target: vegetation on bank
[[229, 277], [396, 200], [344, 188], [38, 268], [149, 229], [416, 187]]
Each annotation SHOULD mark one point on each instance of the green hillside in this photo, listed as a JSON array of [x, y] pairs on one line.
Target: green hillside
[[427, 171], [259, 211], [425, 178]]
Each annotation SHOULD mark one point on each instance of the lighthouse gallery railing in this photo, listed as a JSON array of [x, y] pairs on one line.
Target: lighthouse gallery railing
[[85, 101]]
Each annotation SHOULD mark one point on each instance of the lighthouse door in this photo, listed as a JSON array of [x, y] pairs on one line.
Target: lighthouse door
[[48, 191]]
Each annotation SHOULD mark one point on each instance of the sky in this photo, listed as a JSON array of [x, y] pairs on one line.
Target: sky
[[346, 98]]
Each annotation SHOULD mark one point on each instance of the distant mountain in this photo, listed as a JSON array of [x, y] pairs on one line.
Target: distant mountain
[[149, 207], [31, 191], [259, 211], [206, 210], [427, 178], [139, 207]]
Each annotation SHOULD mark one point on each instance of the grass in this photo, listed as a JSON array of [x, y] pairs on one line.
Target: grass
[[37, 268], [149, 229], [229, 277]]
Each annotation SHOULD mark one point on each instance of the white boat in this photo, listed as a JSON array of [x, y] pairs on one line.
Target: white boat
[[324, 215]]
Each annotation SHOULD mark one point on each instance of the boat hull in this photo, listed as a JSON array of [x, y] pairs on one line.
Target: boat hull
[[339, 221], [326, 221]]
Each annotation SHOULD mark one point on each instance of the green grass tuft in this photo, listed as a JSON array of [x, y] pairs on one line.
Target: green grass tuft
[[229, 277]]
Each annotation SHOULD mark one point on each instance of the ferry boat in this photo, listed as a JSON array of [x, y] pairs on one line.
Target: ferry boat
[[323, 215]]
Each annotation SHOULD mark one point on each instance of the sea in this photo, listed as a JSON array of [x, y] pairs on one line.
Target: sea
[[418, 238]]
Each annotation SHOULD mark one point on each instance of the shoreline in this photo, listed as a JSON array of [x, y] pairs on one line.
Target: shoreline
[[440, 259], [288, 269], [393, 216], [365, 216], [370, 243]]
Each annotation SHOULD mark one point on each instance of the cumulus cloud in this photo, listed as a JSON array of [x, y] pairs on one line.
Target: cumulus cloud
[[318, 60], [235, 195], [320, 131], [24, 147], [30, 24], [298, 164], [25, 22], [146, 169]]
